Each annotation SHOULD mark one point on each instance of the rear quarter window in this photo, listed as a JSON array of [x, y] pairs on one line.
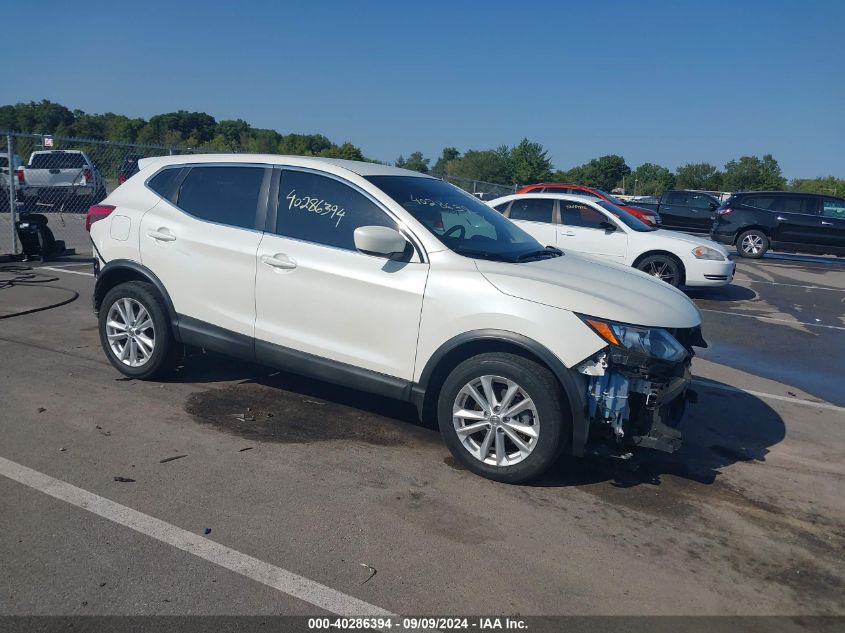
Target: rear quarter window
[[758, 202], [164, 182]]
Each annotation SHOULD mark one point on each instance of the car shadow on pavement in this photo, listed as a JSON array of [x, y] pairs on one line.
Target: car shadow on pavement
[[724, 293], [725, 427]]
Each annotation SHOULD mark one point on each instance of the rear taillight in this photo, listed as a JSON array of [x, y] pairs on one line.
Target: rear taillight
[[723, 211], [89, 176], [650, 219], [121, 178], [97, 213], [19, 174]]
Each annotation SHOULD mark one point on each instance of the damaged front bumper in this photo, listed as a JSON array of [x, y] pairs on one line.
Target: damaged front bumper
[[636, 401]]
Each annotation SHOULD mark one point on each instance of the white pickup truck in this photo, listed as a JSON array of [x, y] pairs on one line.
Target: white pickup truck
[[61, 178], [7, 172]]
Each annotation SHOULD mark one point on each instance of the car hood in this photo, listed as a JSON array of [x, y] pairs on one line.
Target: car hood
[[692, 240], [599, 289]]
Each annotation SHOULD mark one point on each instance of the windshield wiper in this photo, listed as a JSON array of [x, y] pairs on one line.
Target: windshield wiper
[[497, 257], [546, 253]]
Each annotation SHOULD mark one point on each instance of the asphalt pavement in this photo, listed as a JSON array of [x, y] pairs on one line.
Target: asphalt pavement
[[296, 497]]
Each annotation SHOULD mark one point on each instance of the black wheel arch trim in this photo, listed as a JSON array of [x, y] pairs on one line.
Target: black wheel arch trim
[[116, 266], [571, 381]]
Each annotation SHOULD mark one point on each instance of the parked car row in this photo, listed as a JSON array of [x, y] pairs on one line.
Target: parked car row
[[400, 284], [646, 215]]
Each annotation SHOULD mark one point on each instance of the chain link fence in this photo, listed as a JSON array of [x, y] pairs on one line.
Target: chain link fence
[[52, 180], [481, 189]]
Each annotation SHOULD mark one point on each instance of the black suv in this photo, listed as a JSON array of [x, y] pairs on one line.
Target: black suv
[[756, 221]]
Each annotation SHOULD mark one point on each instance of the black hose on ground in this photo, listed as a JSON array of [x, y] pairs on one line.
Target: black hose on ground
[[25, 276]]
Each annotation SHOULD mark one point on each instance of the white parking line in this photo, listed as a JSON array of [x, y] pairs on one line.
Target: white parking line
[[280, 579], [65, 270], [770, 396], [777, 283], [765, 318]]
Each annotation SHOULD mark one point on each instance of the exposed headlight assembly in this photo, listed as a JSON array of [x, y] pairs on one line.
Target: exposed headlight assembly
[[705, 252], [654, 342]]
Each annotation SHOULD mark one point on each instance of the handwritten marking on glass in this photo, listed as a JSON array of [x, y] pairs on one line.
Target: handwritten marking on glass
[[315, 205]]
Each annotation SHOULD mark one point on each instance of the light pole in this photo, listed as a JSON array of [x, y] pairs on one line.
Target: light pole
[[636, 180]]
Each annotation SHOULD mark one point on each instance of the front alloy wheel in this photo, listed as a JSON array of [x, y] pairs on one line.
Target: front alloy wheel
[[496, 421], [663, 267], [130, 332]]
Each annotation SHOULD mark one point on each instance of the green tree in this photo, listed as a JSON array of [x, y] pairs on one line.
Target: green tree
[[448, 154], [828, 185], [650, 179], [415, 162], [604, 172], [751, 172], [488, 165], [529, 163], [698, 176]]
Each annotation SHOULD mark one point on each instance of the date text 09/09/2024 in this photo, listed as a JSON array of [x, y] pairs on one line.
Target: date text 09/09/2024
[[415, 624]]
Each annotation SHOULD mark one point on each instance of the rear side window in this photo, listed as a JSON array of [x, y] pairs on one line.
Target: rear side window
[[225, 195], [323, 210], [164, 182], [795, 204], [533, 210], [577, 214], [758, 202], [676, 197]]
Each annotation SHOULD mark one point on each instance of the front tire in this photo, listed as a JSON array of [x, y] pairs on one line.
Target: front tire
[[503, 417], [663, 267], [135, 331], [752, 244]]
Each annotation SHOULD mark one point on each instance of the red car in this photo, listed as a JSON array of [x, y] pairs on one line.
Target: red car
[[646, 215]]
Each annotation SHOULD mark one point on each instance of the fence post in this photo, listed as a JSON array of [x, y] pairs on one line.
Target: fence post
[[12, 203]]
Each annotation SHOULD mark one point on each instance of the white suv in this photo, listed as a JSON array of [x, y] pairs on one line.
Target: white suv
[[399, 284]]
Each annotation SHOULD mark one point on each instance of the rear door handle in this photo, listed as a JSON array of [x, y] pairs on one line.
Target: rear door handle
[[569, 233], [780, 219], [162, 235], [279, 260]]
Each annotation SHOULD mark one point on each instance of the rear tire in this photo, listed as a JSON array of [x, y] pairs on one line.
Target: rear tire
[[510, 448], [135, 331], [752, 244]]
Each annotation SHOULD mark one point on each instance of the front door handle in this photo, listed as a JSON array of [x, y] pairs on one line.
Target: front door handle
[[827, 223], [279, 260], [569, 233], [162, 235], [780, 218]]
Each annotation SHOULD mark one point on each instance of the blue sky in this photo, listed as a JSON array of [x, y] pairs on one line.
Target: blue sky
[[665, 82]]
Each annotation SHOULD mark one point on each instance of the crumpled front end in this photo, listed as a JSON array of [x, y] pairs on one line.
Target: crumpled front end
[[634, 400]]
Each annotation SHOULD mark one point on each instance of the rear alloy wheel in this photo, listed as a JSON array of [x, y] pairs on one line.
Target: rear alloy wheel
[[663, 267], [135, 331], [753, 244], [502, 417]]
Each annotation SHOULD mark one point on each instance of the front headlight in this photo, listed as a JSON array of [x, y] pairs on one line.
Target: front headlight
[[705, 252], [655, 342]]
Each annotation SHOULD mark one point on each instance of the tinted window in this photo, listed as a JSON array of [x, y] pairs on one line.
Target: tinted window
[[501, 208], [758, 202], [834, 208], [319, 209], [4, 161], [626, 218], [164, 182], [226, 195], [533, 210], [579, 214], [581, 192], [57, 160], [676, 197], [700, 201], [795, 204]]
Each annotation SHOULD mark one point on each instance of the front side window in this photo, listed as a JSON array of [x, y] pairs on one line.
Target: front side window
[[323, 210], [579, 214], [676, 197], [533, 210], [700, 201], [224, 195], [583, 192], [834, 208], [627, 219], [460, 221]]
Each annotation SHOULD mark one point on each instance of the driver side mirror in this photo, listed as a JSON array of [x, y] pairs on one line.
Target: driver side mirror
[[380, 241], [609, 227]]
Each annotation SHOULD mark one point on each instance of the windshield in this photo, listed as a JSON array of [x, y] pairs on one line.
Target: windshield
[[612, 199], [626, 218], [460, 221]]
